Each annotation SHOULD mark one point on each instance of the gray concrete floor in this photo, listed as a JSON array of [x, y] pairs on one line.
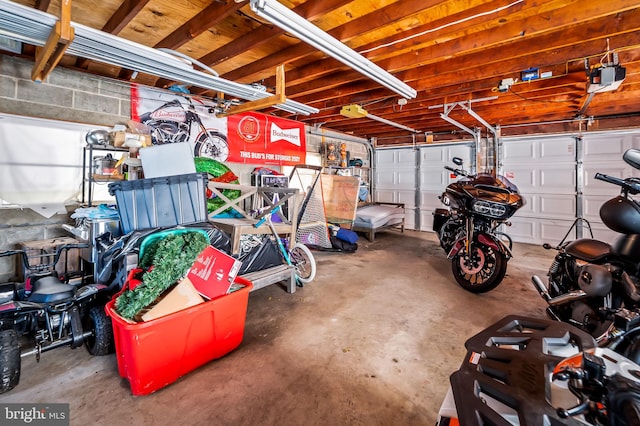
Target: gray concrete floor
[[372, 341]]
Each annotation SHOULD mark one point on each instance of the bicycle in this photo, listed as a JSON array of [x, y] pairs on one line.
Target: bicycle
[[297, 255]]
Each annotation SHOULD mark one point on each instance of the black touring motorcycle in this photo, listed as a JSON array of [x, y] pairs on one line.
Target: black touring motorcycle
[[46, 312], [468, 228]]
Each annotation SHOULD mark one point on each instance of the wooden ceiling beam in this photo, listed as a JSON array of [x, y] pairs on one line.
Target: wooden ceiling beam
[[124, 15], [343, 32], [209, 16], [555, 38], [495, 63], [120, 19], [516, 25], [310, 10], [42, 5]]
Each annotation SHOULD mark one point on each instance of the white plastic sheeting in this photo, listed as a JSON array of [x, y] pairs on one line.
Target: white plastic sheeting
[[40, 162]]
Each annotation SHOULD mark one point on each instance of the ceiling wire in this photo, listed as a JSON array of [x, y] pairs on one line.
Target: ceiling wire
[[459, 21]]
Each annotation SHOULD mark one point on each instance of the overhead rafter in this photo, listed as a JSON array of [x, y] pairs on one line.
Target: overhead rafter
[[28, 25], [278, 98], [60, 37]]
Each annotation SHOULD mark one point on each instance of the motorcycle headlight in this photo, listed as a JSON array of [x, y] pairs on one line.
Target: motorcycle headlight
[[490, 209]]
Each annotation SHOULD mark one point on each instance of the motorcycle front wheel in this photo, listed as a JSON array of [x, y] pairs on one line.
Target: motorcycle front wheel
[[212, 145], [481, 271]]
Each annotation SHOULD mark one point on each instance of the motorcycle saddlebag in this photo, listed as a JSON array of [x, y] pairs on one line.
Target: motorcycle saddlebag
[[440, 216]]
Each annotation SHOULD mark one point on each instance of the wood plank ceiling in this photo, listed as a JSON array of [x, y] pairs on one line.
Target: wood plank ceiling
[[455, 53]]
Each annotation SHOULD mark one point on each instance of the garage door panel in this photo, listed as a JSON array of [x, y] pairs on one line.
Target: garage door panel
[[548, 206], [552, 179], [544, 171], [409, 219], [601, 232], [400, 179], [558, 149], [393, 196], [385, 158], [385, 180], [438, 156], [396, 158], [552, 231], [408, 198], [608, 147], [531, 207], [524, 177], [592, 186], [518, 152], [558, 180], [521, 229], [426, 221], [433, 158], [558, 206], [429, 200], [433, 180]]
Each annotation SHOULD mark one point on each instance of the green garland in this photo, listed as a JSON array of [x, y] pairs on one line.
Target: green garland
[[171, 257]]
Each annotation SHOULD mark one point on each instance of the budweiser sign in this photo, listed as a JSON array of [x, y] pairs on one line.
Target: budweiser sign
[[290, 135]]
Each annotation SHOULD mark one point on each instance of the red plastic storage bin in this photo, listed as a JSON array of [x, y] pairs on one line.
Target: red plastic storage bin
[[153, 354]]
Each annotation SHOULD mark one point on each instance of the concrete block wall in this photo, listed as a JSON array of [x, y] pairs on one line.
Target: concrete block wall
[[65, 95]]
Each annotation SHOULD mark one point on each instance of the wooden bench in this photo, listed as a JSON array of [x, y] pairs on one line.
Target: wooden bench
[[281, 273]]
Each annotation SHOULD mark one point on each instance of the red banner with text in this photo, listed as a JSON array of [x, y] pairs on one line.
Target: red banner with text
[[256, 138], [251, 138]]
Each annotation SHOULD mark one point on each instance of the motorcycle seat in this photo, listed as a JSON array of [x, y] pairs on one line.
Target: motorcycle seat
[[50, 289], [588, 250]]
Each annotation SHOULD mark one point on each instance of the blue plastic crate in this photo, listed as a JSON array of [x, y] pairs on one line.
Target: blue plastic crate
[[161, 201]]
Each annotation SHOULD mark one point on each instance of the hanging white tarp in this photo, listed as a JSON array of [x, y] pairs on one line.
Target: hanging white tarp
[[40, 162]]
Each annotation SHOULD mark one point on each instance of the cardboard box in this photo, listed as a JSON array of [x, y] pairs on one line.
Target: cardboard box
[[129, 140], [213, 272], [182, 296]]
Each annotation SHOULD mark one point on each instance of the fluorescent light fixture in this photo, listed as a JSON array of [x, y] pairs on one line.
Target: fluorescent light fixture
[[31, 26], [294, 24], [356, 111]]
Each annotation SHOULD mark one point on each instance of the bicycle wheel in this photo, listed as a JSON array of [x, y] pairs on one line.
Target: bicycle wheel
[[304, 262]]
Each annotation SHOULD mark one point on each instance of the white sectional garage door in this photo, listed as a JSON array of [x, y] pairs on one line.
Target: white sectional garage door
[[544, 169], [434, 178], [395, 180], [603, 153], [416, 177], [554, 174]]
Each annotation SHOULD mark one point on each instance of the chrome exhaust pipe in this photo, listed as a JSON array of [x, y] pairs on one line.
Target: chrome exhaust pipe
[[566, 298], [559, 300], [542, 289]]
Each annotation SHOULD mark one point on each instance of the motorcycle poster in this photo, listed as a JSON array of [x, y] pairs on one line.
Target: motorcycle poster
[[252, 138]]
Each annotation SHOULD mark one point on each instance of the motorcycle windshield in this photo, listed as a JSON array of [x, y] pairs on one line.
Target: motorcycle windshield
[[487, 179]]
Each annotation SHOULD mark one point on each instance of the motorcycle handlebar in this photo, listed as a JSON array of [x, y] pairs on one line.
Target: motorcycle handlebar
[[43, 266], [626, 184], [458, 172]]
